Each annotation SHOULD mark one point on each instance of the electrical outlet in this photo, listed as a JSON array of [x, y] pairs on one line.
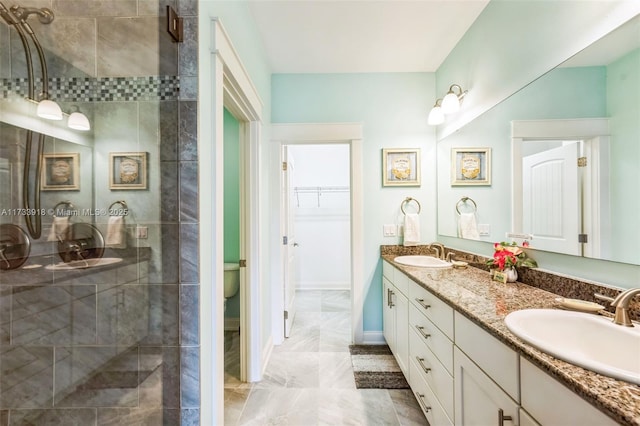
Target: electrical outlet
[[141, 232], [389, 230]]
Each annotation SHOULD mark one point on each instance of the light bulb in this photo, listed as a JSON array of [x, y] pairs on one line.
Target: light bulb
[[436, 116], [78, 121], [49, 109], [450, 103]]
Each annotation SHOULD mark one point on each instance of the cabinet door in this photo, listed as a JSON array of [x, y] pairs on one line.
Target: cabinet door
[[401, 306], [478, 400], [388, 314]]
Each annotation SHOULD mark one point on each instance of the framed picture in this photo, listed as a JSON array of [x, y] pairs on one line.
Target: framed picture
[[401, 167], [128, 170], [60, 172], [470, 166]]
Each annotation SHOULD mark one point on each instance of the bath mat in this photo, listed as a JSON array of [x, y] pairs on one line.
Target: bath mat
[[374, 367]]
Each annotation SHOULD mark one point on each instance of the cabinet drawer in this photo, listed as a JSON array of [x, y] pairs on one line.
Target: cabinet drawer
[[387, 270], [440, 380], [437, 341], [435, 309], [565, 407], [431, 408], [491, 355]]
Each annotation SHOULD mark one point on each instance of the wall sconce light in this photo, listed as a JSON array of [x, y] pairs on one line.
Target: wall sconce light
[[447, 105], [49, 109], [78, 121], [436, 116]]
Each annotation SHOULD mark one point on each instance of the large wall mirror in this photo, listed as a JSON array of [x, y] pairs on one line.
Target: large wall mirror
[[569, 139]]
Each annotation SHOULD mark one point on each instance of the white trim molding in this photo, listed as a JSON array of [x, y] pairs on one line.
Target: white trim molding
[[344, 133], [224, 82]]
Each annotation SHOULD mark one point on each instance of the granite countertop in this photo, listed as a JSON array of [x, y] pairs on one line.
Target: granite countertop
[[473, 293]]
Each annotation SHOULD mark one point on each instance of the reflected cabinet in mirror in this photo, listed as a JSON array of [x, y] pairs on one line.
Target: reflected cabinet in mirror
[[565, 152]]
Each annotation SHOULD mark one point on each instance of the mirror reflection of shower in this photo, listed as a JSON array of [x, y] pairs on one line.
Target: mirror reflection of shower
[[16, 17]]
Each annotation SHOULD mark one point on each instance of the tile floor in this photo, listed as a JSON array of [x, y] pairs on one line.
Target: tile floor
[[309, 379]]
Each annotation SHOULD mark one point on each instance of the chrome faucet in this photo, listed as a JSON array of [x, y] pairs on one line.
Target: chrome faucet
[[621, 303], [439, 248]]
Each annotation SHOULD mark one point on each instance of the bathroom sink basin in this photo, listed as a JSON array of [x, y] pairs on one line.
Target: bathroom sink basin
[[84, 264], [422, 261], [590, 341]]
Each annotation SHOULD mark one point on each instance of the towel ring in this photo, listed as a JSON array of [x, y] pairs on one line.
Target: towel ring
[[125, 208], [69, 205], [464, 200], [408, 200]]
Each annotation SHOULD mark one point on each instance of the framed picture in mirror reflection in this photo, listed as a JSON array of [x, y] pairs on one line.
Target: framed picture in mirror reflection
[[128, 170], [60, 172], [470, 166]]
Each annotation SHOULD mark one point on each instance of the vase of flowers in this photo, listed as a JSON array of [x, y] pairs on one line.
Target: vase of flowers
[[508, 256]]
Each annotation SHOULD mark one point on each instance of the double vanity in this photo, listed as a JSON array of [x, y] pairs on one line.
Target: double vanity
[[467, 365]]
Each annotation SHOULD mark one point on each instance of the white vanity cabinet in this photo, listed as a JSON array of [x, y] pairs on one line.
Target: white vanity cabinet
[[551, 403], [395, 316], [478, 399], [461, 374]]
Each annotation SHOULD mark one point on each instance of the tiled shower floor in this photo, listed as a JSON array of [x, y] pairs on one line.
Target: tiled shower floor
[[309, 379]]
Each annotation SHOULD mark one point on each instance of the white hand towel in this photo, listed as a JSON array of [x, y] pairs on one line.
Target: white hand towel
[[467, 226], [411, 229], [116, 237], [59, 228]]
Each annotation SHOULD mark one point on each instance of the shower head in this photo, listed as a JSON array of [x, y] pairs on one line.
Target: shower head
[[45, 16]]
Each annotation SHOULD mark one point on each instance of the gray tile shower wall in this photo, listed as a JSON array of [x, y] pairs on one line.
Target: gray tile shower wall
[[121, 346]]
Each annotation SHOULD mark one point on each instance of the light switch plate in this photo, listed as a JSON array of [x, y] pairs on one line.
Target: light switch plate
[[484, 229], [389, 230]]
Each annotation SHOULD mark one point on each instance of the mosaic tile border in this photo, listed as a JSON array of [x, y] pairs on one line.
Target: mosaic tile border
[[107, 89]]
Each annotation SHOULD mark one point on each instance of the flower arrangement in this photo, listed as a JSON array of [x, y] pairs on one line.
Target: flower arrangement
[[509, 255]]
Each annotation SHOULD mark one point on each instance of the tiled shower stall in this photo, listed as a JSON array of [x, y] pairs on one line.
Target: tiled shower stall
[[113, 344]]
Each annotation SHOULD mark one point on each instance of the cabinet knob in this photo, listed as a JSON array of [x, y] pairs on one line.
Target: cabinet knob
[[502, 417]]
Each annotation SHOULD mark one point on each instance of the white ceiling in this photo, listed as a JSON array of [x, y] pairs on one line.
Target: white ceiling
[[347, 36]]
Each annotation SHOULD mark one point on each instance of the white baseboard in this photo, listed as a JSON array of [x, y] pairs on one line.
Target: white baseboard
[[266, 354], [231, 324], [373, 338], [323, 285]]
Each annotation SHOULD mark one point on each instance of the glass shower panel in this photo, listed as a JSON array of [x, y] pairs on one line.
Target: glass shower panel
[[89, 322]]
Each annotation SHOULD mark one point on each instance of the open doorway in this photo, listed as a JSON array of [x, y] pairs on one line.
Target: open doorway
[[317, 220], [295, 137]]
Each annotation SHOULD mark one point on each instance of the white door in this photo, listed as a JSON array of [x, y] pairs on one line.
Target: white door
[[288, 240], [551, 199]]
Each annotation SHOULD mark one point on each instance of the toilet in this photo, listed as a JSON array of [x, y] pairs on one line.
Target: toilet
[[231, 280]]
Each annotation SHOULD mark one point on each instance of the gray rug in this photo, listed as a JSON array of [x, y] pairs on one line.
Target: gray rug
[[374, 367]]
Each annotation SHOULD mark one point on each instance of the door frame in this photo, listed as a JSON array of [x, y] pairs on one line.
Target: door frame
[[321, 133], [224, 82], [595, 130]]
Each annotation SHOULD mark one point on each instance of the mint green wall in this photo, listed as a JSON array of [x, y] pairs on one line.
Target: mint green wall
[[623, 94], [561, 93], [512, 43], [231, 188], [393, 109], [232, 202], [508, 46]]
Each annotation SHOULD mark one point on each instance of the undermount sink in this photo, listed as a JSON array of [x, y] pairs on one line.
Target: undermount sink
[[83, 264], [422, 261], [590, 341]]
